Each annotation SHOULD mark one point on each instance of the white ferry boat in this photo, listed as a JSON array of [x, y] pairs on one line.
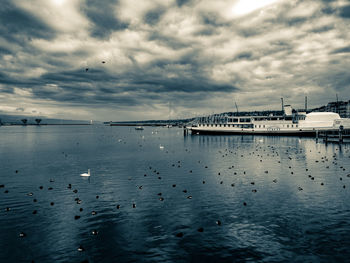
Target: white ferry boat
[[287, 124]]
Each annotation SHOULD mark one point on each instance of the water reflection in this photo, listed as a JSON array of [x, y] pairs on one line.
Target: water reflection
[[250, 183]]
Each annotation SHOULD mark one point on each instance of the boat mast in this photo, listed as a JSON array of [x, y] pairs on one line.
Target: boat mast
[[337, 106], [306, 104], [236, 107]]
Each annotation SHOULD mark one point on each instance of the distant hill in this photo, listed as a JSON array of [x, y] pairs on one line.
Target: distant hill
[[16, 120]]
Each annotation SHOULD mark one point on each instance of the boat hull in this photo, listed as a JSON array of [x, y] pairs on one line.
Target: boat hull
[[295, 132]]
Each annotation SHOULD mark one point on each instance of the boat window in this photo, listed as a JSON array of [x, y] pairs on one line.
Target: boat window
[[263, 126], [287, 125], [244, 119], [296, 125], [292, 125], [224, 125], [212, 125], [235, 120]]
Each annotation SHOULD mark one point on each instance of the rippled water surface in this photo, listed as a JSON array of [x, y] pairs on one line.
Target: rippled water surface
[[257, 199]]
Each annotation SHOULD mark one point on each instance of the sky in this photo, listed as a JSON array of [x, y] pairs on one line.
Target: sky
[[137, 60]]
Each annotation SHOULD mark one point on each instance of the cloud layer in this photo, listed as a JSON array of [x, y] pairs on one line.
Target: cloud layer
[[130, 59]]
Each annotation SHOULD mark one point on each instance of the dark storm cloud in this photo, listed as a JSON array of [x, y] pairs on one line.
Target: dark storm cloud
[[295, 21], [341, 50], [180, 3], [170, 41], [184, 85], [103, 85], [209, 31], [77, 76], [212, 19], [249, 32], [4, 51], [7, 80], [102, 16], [153, 16], [338, 79], [345, 11], [342, 11], [195, 54], [245, 55], [19, 26], [322, 29], [119, 100]]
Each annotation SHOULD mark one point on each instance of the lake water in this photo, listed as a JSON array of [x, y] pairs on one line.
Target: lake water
[[230, 198]]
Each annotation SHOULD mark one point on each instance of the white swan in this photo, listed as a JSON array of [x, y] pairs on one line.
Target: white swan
[[86, 174]]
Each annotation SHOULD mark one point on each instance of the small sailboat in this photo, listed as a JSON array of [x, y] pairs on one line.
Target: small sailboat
[[86, 174]]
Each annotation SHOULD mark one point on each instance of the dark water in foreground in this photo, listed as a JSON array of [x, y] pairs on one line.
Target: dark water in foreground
[[290, 217]]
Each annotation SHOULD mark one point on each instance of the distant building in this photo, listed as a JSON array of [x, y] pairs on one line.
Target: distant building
[[340, 107]]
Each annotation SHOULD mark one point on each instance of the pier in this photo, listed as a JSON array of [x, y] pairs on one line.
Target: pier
[[340, 136]]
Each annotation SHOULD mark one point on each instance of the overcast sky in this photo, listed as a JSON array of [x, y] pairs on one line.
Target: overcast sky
[[170, 57]]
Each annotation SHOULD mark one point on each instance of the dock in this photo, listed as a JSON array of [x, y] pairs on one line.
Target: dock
[[339, 136]]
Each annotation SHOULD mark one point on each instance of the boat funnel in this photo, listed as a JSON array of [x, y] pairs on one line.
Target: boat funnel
[[288, 111]]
